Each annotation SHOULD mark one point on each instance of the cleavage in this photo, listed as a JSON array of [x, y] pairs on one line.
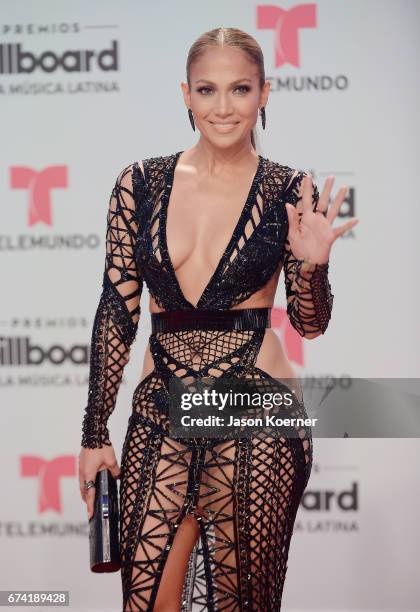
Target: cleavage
[[198, 231]]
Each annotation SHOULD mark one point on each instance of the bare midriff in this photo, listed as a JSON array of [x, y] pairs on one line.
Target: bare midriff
[[201, 215], [271, 357]]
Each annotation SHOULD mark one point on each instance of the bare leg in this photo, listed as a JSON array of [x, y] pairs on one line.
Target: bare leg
[[170, 589]]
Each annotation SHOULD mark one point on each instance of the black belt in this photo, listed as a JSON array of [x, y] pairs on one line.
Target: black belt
[[206, 318]]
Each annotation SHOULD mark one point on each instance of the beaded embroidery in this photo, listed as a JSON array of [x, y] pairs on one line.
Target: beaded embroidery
[[244, 493]]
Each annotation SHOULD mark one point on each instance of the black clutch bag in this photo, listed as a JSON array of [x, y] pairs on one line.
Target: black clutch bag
[[104, 525]]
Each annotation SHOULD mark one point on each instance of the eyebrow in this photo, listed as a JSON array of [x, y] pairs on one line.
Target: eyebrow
[[233, 82]]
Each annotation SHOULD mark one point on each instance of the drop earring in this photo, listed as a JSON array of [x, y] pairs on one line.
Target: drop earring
[[262, 113], [191, 116]]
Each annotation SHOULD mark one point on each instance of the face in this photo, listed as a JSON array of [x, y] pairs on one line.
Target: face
[[225, 95]]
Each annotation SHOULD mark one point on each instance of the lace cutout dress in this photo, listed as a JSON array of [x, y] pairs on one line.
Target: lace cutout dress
[[244, 492]]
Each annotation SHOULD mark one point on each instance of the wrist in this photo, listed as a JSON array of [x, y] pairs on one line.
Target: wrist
[[307, 265]]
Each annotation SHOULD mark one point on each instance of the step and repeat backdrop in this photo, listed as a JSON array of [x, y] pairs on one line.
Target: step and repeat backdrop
[[87, 88]]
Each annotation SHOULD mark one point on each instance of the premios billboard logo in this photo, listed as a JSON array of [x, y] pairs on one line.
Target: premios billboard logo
[[59, 64], [329, 509], [24, 351], [15, 58]]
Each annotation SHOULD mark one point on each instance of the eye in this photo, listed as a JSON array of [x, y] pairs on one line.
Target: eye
[[200, 89], [245, 88]]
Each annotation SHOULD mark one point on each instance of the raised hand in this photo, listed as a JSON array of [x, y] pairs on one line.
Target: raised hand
[[312, 237]]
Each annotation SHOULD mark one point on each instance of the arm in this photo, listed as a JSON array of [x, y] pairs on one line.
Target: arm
[[308, 291], [117, 315]]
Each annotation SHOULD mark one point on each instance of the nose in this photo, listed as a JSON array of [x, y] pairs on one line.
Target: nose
[[223, 106]]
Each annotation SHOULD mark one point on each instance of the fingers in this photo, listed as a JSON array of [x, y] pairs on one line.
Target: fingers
[[293, 217], [324, 198], [114, 469], [333, 210], [307, 190], [89, 495], [91, 461], [336, 205], [88, 469], [338, 231], [90, 499], [82, 479]]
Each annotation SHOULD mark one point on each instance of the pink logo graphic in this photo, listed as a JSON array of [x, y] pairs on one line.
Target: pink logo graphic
[[286, 24], [292, 341], [49, 474], [39, 185]]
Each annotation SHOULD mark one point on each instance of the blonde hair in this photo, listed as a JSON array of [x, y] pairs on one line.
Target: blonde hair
[[232, 37]]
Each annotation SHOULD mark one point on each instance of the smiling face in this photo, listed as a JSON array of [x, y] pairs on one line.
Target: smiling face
[[225, 95]]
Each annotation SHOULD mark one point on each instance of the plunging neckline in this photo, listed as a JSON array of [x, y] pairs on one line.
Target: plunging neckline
[[163, 214]]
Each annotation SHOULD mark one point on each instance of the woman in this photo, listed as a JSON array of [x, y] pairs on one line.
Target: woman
[[207, 521]]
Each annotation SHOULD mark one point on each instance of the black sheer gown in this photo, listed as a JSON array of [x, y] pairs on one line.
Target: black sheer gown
[[244, 492]]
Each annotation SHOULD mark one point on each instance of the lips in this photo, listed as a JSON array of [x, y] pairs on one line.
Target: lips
[[224, 127]]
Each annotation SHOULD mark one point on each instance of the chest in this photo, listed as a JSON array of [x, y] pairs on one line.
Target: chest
[[230, 235], [201, 217]]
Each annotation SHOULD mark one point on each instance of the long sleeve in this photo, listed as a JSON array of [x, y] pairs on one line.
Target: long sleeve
[[308, 291], [117, 315]]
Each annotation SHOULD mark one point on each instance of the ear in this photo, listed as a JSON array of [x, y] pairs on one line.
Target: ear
[[264, 93], [186, 94]]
